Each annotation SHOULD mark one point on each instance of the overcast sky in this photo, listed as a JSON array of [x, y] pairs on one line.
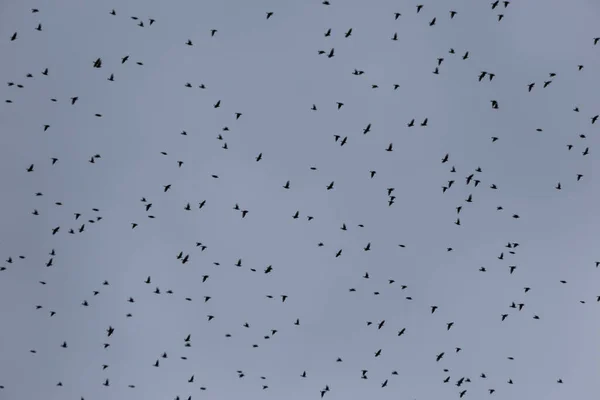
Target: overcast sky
[[269, 70]]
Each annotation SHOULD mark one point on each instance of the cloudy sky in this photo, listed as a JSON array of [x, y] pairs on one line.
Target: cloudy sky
[[269, 70]]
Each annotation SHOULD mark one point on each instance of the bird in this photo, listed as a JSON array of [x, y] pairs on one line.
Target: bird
[[258, 187]]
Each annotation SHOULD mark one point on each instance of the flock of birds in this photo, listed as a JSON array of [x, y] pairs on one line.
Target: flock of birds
[[473, 180]]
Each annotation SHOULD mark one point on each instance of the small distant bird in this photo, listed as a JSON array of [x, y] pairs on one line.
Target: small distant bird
[[269, 15]]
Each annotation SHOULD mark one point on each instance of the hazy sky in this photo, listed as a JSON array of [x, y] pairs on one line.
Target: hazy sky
[[270, 71]]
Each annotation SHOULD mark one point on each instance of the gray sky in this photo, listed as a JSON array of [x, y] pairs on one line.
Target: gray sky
[[270, 71]]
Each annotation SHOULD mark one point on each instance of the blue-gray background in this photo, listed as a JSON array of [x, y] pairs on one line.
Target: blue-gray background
[[269, 71]]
